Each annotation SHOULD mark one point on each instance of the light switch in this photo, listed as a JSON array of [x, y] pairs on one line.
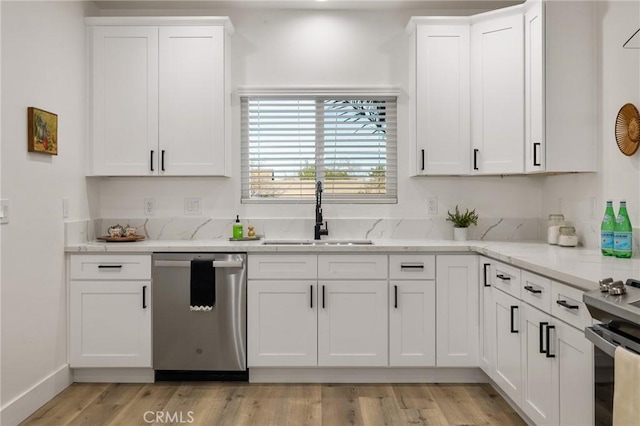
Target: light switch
[[193, 206], [65, 208], [4, 211]]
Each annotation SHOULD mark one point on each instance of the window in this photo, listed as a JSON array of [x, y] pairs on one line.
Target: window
[[290, 142]]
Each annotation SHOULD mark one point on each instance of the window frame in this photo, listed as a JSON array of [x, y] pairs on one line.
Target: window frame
[[316, 93]]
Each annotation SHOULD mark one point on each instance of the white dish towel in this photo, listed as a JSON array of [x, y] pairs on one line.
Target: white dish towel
[[626, 391]]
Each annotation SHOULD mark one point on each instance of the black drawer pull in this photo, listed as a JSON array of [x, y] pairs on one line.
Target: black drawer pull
[[109, 266], [162, 160], [530, 289], [151, 161], [411, 266], [311, 295], [503, 277], [542, 324], [144, 297], [564, 304], [322, 297], [549, 354], [535, 154], [485, 267], [422, 160], [475, 159], [513, 327]]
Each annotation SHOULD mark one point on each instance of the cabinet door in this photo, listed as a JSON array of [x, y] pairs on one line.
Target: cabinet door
[[192, 101], [487, 325], [443, 111], [573, 377], [507, 313], [110, 324], [539, 395], [534, 85], [497, 95], [124, 113], [282, 323], [352, 323], [412, 323], [457, 314]]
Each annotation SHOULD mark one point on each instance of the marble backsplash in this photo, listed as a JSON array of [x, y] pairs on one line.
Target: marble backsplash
[[187, 228]]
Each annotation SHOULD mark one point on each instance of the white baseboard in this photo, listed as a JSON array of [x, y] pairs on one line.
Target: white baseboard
[[367, 375], [113, 375], [27, 403]]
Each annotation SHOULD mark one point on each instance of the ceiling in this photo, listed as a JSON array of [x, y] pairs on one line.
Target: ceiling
[[305, 4]]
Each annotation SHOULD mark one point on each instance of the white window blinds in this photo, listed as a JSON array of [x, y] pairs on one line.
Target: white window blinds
[[289, 143]]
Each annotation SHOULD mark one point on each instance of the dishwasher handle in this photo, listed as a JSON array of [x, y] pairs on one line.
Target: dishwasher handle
[[187, 263]]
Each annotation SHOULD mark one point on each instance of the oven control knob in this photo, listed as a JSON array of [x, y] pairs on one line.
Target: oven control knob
[[616, 288], [605, 284]]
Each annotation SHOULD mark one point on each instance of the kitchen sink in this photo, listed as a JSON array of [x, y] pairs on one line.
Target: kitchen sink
[[318, 242]]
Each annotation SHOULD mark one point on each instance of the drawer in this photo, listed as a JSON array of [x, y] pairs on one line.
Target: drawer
[[412, 267], [536, 291], [282, 266], [566, 304], [110, 267], [361, 266], [506, 278]]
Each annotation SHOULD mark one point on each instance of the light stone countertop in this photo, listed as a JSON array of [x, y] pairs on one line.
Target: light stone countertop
[[577, 267]]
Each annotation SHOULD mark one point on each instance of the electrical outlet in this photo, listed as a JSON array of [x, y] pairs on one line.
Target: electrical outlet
[[593, 203], [149, 206], [193, 206], [65, 208], [4, 211], [432, 206], [559, 204]]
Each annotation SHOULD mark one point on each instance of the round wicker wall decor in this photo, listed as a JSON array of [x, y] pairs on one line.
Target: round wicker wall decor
[[628, 129]]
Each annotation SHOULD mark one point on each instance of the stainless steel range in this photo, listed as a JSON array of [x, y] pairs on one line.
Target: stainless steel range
[[617, 307]]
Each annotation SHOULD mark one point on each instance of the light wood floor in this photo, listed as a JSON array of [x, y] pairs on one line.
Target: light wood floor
[[220, 404]]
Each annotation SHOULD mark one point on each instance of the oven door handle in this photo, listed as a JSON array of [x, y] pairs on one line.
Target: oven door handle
[[599, 342]]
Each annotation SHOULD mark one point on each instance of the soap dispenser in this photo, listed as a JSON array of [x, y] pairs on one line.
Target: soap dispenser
[[237, 228]]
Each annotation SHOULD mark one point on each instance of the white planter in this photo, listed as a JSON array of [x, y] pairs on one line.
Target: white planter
[[460, 234]]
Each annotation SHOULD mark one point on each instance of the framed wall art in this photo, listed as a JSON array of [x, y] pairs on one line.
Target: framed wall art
[[42, 131]]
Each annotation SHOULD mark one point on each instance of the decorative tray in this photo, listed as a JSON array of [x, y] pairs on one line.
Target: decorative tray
[[256, 238], [121, 239]]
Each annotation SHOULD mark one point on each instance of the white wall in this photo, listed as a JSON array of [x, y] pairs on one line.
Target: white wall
[[618, 177], [42, 66], [322, 47]]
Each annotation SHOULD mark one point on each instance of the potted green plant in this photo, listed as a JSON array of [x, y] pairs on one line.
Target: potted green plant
[[461, 222]]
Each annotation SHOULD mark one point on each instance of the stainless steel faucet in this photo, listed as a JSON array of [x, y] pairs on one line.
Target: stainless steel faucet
[[318, 231]]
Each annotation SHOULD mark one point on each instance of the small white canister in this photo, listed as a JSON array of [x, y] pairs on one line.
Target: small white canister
[[553, 228], [567, 236]]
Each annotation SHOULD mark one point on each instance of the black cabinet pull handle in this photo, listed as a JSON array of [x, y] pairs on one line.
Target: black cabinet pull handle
[[542, 324], [530, 289], [485, 267], [513, 328], [535, 154], [311, 295], [162, 160], [144, 297], [564, 304], [548, 351], [322, 297], [151, 161], [109, 266], [411, 266], [422, 168], [503, 277], [475, 159], [395, 291]]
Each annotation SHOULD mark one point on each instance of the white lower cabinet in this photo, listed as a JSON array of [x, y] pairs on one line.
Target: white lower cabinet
[[352, 323], [412, 323], [507, 374], [110, 324], [539, 396], [486, 352], [282, 324], [457, 315]]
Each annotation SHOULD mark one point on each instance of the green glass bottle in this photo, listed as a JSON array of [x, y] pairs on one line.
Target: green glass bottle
[[607, 229], [623, 233]]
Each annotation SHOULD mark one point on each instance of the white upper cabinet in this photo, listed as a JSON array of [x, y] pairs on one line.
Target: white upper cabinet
[[159, 96], [560, 86], [440, 81], [497, 92]]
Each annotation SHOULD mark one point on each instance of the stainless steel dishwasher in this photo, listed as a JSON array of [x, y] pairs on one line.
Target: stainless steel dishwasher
[[202, 344]]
